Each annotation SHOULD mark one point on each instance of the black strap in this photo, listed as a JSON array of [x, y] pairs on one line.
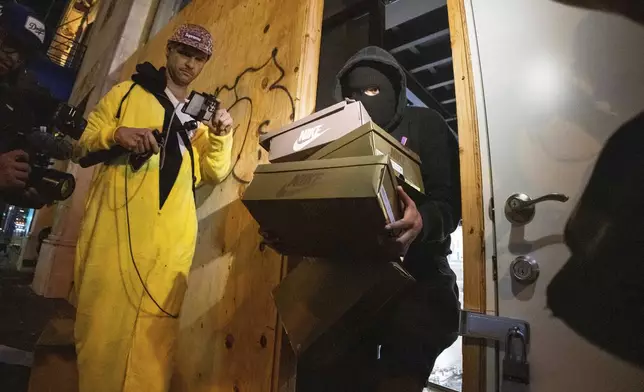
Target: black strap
[[173, 158], [118, 112], [188, 144]]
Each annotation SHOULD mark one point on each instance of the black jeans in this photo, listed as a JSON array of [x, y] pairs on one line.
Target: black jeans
[[410, 334]]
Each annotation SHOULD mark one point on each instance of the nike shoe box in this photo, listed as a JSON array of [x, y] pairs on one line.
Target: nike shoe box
[[325, 306], [298, 140], [370, 139], [331, 208]]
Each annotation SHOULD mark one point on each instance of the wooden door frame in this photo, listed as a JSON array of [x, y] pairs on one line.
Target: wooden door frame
[[474, 267]]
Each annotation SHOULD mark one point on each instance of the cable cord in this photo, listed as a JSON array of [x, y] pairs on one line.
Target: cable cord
[[127, 211], [129, 239]]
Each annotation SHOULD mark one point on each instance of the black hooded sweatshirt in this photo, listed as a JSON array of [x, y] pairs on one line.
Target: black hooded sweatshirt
[[429, 136]]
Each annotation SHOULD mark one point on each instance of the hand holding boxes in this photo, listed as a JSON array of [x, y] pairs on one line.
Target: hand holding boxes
[[330, 196], [336, 203]]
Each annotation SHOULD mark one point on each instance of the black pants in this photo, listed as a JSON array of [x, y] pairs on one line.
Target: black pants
[[361, 370], [405, 342]]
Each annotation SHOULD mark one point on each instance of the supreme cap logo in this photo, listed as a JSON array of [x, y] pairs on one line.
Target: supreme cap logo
[[193, 37]]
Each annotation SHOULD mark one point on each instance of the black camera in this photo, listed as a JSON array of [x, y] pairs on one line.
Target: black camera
[[34, 121], [201, 106]]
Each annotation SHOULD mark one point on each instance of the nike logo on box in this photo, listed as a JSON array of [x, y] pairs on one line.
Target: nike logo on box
[[308, 136], [298, 184]]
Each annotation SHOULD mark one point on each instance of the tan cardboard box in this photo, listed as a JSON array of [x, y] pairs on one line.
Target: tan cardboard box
[[370, 139], [326, 305], [300, 139], [335, 208]]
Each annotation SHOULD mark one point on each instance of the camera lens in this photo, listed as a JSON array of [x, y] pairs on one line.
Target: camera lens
[[54, 184], [66, 187]]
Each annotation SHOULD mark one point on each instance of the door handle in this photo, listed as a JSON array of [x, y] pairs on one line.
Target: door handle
[[520, 208]]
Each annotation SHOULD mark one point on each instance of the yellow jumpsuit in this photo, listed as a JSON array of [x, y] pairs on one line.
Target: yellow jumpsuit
[[123, 341]]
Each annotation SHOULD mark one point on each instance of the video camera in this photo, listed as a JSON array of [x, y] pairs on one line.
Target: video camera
[[34, 121], [200, 106]]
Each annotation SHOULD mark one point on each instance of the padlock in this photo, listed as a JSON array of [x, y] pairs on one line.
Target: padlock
[[515, 363]]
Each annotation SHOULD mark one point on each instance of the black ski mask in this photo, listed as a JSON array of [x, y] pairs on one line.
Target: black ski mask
[[372, 85]]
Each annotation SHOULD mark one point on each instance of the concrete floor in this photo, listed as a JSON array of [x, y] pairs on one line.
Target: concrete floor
[[24, 316]]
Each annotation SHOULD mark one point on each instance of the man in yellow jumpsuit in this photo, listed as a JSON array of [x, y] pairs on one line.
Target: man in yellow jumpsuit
[[139, 230]]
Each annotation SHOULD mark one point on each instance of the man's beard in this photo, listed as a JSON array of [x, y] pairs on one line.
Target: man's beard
[[179, 79], [6, 65]]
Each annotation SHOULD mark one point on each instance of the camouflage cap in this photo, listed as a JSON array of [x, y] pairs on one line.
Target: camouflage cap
[[194, 36]]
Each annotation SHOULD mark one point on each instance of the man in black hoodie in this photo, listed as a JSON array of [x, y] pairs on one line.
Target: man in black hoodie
[[423, 322]]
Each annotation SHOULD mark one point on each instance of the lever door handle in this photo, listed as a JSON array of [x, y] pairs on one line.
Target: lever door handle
[[520, 208]]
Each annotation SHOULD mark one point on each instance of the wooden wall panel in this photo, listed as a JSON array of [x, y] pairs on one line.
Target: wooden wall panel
[[265, 71], [474, 369]]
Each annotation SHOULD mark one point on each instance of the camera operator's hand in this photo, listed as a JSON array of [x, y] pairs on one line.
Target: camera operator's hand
[[138, 140], [14, 169], [221, 123]]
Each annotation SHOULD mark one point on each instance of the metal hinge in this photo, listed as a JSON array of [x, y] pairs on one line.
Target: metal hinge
[[492, 210]]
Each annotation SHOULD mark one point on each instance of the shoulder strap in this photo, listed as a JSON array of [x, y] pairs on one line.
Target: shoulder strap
[[169, 108], [188, 144], [118, 112]]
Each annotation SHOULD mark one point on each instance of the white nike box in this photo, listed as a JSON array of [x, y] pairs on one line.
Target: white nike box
[[298, 140]]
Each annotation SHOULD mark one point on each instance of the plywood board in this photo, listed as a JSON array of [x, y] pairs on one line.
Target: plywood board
[[264, 69], [474, 291]]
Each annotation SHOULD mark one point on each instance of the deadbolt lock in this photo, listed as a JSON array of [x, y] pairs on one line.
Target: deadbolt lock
[[525, 270]]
